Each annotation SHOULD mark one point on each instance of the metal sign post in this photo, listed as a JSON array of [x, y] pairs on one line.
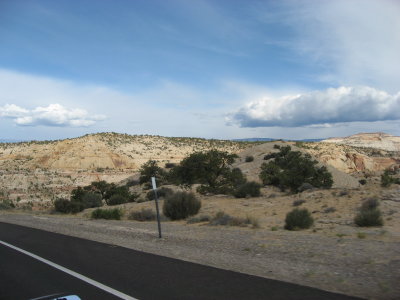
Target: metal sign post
[[153, 183]]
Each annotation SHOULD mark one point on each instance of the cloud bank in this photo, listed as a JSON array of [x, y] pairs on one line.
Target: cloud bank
[[54, 115], [332, 106]]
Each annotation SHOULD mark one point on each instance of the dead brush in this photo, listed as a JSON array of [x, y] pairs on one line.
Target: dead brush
[[221, 218]]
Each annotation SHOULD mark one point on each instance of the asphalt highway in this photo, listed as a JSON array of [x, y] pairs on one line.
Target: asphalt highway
[[137, 274]]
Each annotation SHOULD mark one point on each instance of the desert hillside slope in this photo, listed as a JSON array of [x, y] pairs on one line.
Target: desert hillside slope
[[252, 169], [366, 153], [40, 172], [105, 150], [36, 173]]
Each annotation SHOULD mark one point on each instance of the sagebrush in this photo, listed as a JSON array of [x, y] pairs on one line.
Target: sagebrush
[[146, 214], [298, 219], [181, 205], [108, 214], [369, 217]]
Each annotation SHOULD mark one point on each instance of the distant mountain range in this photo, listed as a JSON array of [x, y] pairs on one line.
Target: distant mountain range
[[269, 140]]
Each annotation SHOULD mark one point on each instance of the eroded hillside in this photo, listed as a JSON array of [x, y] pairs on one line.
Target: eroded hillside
[[32, 174], [105, 150], [364, 152]]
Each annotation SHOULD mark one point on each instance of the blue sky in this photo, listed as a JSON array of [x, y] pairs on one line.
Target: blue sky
[[214, 69]]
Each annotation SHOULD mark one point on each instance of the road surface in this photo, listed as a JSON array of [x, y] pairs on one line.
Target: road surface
[[133, 273]]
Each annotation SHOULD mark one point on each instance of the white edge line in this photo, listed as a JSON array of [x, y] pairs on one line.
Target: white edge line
[[72, 273]]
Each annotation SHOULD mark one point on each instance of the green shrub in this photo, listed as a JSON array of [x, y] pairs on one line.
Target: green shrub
[[151, 169], [362, 181], [298, 219], [67, 206], [91, 200], [6, 204], [248, 189], [269, 156], [291, 169], [369, 203], [226, 185], [386, 179], [146, 214], [369, 217], [91, 195], [161, 193], [169, 165], [76, 207], [77, 194], [133, 197], [210, 169], [118, 190], [100, 187], [301, 144], [233, 178], [62, 205], [181, 205], [229, 182], [108, 214], [249, 158], [117, 199]]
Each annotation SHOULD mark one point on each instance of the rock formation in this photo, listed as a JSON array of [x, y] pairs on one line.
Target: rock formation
[[377, 140]]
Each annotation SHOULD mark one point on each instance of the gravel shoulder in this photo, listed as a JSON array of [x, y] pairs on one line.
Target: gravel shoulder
[[367, 267]]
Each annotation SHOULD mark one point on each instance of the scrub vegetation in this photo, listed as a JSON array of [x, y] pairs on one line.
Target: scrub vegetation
[[289, 169]]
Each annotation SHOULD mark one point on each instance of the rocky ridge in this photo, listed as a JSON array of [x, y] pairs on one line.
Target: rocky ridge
[[377, 140], [349, 159], [366, 153]]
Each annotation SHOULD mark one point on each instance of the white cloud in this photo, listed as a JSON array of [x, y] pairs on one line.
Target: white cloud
[[167, 108], [12, 111], [51, 115], [320, 108], [353, 42]]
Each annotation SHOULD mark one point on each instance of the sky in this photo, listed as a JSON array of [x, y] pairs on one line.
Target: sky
[[220, 69]]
